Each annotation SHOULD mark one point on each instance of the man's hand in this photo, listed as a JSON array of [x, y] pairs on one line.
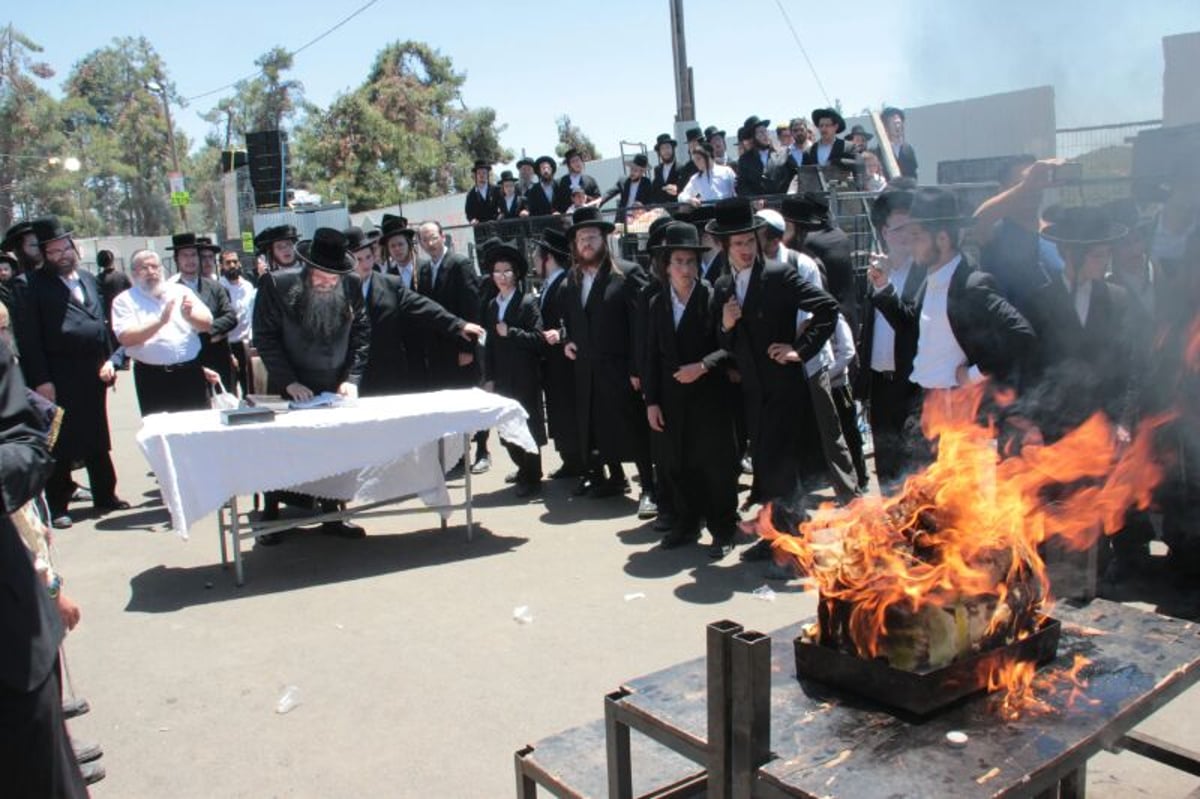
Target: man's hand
[[571, 350], [783, 353], [636, 382], [47, 391], [502, 330], [734, 376], [552, 337], [471, 331], [489, 386], [731, 312], [877, 272], [466, 358], [108, 372], [523, 213], [167, 310], [671, 189], [348, 390], [1041, 173], [211, 377], [654, 416], [690, 373], [299, 392], [67, 610]]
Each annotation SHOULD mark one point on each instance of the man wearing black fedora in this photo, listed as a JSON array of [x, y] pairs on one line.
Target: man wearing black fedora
[[312, 332], [510, 203], [526, 175], [21, 240], [215, 353], [278, 244], [828, 150], [397, 240], [716, 140], [574, 179], [687, 401], [666, 183], [894, 121], [632, 191], [857, 140], [601, 320], [480, 205], [541, 196], [551, 258], [66, 354], [759, 303], [756, 174]]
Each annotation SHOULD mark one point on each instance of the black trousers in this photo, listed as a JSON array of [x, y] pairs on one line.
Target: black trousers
[[36, 758], [893, 402], [166, 389], [529, 464], [847, 412], [102, 480], [242, 353]]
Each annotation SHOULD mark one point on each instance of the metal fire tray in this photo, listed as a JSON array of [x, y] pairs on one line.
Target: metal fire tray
[[920, 693]]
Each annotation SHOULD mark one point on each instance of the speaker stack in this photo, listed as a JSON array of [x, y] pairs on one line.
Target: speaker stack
[[267, 152]]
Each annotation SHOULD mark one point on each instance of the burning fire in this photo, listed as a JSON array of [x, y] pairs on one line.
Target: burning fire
[[1024, 688], [950, 566]]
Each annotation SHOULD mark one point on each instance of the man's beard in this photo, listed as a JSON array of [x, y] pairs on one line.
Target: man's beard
[[593, 261], [154, 288], [322, 314]]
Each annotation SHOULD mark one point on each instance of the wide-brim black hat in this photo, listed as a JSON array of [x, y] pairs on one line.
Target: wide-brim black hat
[[933, 204], [507, 176], [480, 164], [269, 236], [588, 216], [359, 239], [891, 111], [48, 229], [529, 162], [654, 233], [554, 240], [571, 153], [753, 122], [713, 130], [185, 241], [641, 160], [692, 134], [393, 225], [505, 251], [326, 251], [545, 159], [733, 216], [677, 235], [859, 130], [665, 138], [1084, 225], [829, 113], [205, 243], [808, 210], [13, 236]]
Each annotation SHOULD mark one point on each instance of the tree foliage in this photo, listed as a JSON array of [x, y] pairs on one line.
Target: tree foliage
[[570, 137]]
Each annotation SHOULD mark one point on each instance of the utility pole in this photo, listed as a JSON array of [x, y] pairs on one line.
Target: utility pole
[[156, 86], [685, 99]]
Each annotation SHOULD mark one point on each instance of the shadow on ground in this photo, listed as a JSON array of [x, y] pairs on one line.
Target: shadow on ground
[[307, 558], [1156, 585]]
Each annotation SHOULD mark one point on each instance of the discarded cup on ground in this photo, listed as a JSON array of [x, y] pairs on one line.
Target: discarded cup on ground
[[288, 700], [521, 615], [634, 595], [764, 593]]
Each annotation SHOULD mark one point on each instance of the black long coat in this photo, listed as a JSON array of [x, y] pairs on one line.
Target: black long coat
[[395, 314], [456, 290], [537, 202], [215, 354], [832, 247], [773, 392], [506, 211], [478, 208], [513, 362], [607, 408], [562, 195], [658, 185], [558, 371], [289, 352], [904, 348], [65, 343]]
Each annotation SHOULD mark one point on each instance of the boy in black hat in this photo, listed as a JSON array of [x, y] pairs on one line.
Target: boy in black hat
[[716, 140], [574, 179], [278, 245], [828, 150], [755, 177], [21, 240], [480, 205], [510, 204], [634, 191], [666, 183], [906, 158], [512, 356], [542, 195]]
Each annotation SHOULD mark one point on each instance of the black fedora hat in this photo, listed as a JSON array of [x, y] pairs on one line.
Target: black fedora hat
[[13, 236], [184, 241], [206, 243], [692, 134], [394, 226], [887, 201], [1084, 225], [1125, 211], [641, 160], [526, 161], [545, 159], [753, 122], [481, 164], [733, 216], [828, 113], [359, 239], [935, 204], [588, 216], [665, 138], [743, 134], [891, 111], [326, 251], [554, 240], [507, 176], [859, 130], [696, 215], [48, 229], [711, 131], [807, 210], [679, 236], [654, 233], [11, 260], [505, 251], [268, 236], [571, 153]]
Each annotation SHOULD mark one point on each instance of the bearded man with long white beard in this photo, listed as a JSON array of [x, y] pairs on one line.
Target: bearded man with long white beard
[[159, 323]]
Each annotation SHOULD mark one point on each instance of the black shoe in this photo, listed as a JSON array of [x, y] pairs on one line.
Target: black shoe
[[75, 707], [343, 529], [86, 752], [457, 472], [663, 522], [563, 472], [647, 507], [61, 521], [111, 504], [92, 772], [582, 486], [609, 488], [717, 551], [511, 477], [760, 551], [679, 538], [481, 464], [525, 489], [269, 539]]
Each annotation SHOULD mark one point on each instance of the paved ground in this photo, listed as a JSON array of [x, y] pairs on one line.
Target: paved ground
[[414, 679]]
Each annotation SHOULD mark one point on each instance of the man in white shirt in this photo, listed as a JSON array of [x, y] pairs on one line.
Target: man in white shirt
[[241, 297], [158, 323]]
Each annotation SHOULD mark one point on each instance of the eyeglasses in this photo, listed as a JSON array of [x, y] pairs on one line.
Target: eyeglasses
[[504, 273], [58, 251]]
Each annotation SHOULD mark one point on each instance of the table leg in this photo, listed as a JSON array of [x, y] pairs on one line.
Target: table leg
[[616, 737], [442, 466], [222, 529], [467, 486], [236, 536], [526, 787], [750, 722], [719, 704], [1074, 785]]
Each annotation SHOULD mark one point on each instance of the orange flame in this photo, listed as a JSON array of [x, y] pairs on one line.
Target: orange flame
[[1026, 692], [962, 536]]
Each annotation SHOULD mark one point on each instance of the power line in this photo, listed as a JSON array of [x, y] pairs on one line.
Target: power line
[[803, 52], [292, 53]]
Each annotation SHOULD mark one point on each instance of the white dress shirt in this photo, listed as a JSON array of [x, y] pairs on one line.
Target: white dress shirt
[[585, 286], [938, 352], [810, 273], [823, 152], [74, 285], [1083, 300], [502, 301], [175, 342], [717, 184], [883, 342], [741, 284], [843, 352], [241, 297], [678, 306], [434, 266]]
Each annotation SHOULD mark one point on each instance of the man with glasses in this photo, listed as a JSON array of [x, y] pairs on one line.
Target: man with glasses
[[65, 355]]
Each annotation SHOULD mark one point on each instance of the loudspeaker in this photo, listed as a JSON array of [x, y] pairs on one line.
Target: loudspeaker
[[267, 153]]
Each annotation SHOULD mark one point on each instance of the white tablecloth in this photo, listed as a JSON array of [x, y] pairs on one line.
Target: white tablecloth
[[381, 448]]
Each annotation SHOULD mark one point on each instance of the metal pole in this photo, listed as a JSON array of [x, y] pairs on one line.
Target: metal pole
[[171, 144], [684, 107]]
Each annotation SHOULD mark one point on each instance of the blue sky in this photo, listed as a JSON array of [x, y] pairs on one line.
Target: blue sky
[[608, 64]]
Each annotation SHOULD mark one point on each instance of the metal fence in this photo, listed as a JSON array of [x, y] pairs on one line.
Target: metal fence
[[1104, 147]]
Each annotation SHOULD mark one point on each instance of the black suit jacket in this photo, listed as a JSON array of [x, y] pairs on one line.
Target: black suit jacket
[[513, 362], [990, 331], [558, 371], [457, 290], [658, 185], [215, 354], [695, 341], [562, 198], [480, 209], [394, 313], [112, 283], [905, 339], [754, 179], [645, 194], [836, 154], [832, 248], [505, 211], [716, 268], [537, 202], [907, 160]]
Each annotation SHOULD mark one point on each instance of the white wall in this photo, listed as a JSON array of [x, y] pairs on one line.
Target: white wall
[[1181, 89]]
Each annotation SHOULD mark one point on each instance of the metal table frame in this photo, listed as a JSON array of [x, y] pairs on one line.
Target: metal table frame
[[232, 529]]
